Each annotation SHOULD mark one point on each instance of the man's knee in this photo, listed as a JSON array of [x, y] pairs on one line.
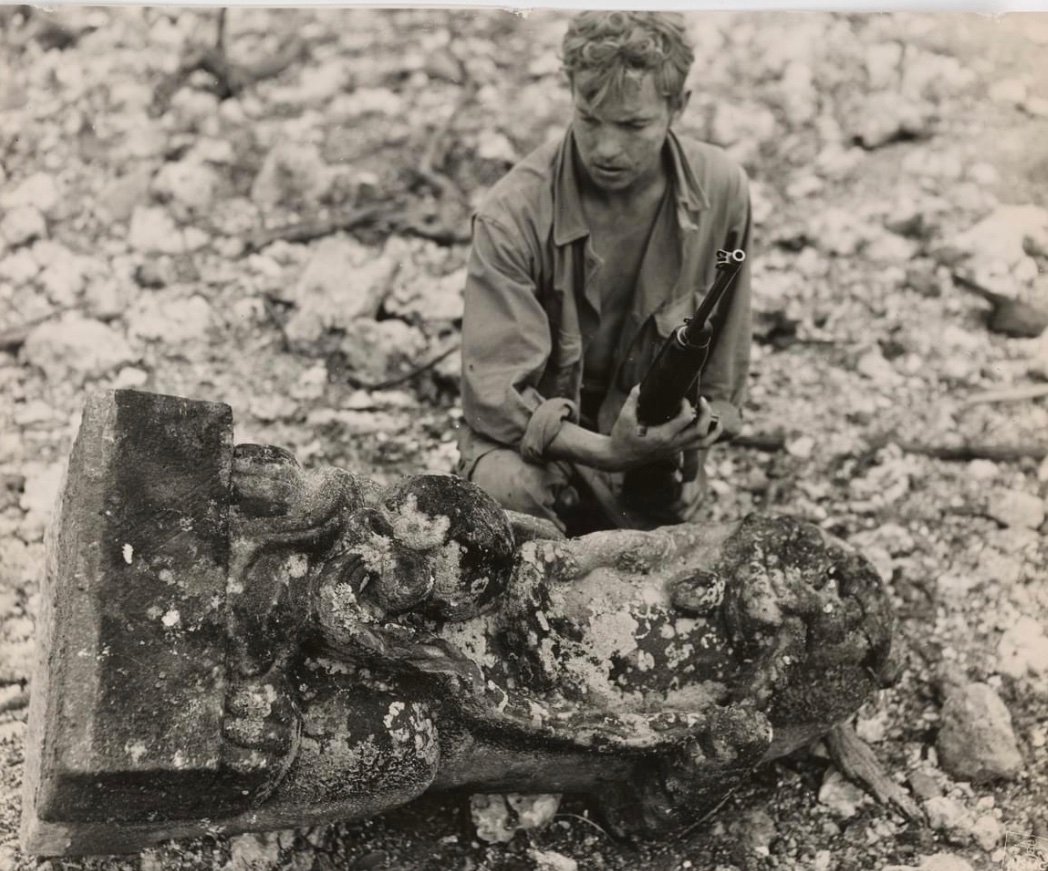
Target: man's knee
[[521, 486]]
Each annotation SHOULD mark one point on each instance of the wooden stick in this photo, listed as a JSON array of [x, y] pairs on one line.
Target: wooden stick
[[966, 452], [1008, 394], [857, 762], [230, 78], [430, 166], [315, 228], [407, 376], [770, 442], [220, 29]]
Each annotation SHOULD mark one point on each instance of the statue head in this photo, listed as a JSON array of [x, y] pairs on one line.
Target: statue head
[[464, 536], [432, 544]]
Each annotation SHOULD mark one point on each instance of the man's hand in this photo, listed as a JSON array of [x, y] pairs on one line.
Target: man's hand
[[632, 444]]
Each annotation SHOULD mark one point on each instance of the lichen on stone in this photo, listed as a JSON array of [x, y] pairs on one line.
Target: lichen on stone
[[416, 529]]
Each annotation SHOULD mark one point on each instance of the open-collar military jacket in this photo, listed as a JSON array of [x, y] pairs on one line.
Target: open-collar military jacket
[[530, 288]]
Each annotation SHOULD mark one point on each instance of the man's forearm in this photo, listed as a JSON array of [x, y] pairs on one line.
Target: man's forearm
[[583, 446]]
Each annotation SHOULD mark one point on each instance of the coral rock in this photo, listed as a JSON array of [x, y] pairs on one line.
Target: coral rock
[[976, 741]]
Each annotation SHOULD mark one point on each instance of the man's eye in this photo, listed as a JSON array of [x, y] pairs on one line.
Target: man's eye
[[637, 125]]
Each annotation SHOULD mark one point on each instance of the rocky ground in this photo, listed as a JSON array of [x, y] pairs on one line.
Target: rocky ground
[[898, 163]]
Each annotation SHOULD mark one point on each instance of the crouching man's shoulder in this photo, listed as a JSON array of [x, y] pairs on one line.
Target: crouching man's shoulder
[[718, 173], [524, 196]]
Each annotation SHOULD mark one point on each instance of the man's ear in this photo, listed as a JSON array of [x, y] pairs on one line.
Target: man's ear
[[681, 106]]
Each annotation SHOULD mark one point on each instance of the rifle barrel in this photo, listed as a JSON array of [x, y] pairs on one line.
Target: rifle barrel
[[728, 265]]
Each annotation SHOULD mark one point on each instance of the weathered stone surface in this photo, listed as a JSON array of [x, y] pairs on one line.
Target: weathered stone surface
[[742, 127], [551, 860], [342, 282], [318, 83], [290, 175], [364, 645], [108, 297], [987, 832], [172, 316], [1023, 649], [840, 795], [23, 224], [1001, 237], [936, 862], [886, 117], [123, 195], [154, 230], [39, 191], [1008, 91], [373, 348], [190, 185], [951, 818], [76, 348], [64, 273], [1016, 508], [924, 785], [498, 818], [423, 299], [976, 741], [18, 267], [127, 704]]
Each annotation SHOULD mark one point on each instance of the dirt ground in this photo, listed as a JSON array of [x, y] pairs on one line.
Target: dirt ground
[[889, 156]]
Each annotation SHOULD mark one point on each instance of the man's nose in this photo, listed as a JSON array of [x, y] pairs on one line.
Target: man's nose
[[608, 146]]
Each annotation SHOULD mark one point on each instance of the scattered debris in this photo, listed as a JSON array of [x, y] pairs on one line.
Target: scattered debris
[[1023, 649], [859, 764], [498, 818], [74, 349], [134, 200], [976, 742]]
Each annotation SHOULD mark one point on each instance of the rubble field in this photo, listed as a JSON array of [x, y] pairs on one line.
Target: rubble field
[[270, 208]]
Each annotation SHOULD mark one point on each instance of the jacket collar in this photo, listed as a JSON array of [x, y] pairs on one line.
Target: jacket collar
[[569, 221]]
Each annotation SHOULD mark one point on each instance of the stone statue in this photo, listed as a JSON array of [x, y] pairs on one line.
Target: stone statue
[[232, 643]]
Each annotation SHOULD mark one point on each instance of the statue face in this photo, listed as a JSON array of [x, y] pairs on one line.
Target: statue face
[[465, 535]]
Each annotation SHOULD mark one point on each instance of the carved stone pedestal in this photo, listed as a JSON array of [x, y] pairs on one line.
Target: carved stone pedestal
[[231, 643]]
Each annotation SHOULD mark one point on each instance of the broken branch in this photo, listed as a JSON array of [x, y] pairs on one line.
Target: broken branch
[[857, 762], [770, 442], [429, 167], [230, 78], [316, 228], [1008, 394], [400, 379], [967, 452]]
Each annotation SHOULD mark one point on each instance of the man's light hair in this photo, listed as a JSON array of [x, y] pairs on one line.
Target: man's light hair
[[604, 50]]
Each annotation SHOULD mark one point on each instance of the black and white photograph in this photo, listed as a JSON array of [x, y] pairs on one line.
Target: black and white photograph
[[476, 439]]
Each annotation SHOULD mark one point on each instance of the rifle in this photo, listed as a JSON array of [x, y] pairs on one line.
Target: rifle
[[673, 373], [683, 355]]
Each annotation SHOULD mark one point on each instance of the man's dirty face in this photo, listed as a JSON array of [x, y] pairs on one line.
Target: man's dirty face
[[620, 139]]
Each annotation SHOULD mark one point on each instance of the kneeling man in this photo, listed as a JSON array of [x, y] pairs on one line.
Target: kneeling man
[[586, 256]]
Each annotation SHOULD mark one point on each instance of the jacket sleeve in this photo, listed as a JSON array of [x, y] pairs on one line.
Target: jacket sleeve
[[724, 380], [506, 346]]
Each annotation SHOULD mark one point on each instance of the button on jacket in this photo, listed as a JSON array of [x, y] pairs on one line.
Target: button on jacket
[[530, 289]]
